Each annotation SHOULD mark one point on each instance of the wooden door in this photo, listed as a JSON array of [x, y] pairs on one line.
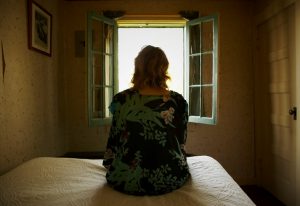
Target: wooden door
[[274, 97]]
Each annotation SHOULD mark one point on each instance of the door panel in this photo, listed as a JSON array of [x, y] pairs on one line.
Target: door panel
[[275, 127]]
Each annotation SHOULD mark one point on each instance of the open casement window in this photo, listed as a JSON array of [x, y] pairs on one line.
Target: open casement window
[[101, 52], [201, 69], [200, 81]]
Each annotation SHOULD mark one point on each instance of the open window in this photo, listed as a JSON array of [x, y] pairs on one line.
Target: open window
[[101, 70], [200, 68]]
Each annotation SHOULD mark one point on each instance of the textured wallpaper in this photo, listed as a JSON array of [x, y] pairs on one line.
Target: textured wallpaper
[[30, 122]]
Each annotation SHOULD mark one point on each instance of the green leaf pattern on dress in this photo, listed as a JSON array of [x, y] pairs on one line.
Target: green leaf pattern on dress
[[129, 167], [134, 109]]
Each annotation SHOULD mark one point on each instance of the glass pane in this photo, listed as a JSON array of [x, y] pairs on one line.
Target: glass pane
[[102, 37], [98, 69], [108, 39], [203, 74], [207, 69], [207, 36], [108, 95], [102, 97], [97, 33], [206, 102], [195, 70], [194, 39], [194, 101], [108, 70], [98, 104], [102, 77]]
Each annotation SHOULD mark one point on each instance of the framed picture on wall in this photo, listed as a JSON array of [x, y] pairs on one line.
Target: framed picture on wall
[[39, 28]]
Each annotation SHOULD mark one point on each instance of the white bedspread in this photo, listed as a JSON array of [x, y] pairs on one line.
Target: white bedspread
[[78, 182]]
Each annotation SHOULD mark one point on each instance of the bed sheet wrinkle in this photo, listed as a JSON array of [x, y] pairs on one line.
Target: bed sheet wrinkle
[[82, 182], [216, 184]]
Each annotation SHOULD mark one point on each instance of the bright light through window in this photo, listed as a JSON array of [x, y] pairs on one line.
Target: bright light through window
[[132, 40]]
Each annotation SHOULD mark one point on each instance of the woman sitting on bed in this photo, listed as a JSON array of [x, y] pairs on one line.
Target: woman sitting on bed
[[145, 149]]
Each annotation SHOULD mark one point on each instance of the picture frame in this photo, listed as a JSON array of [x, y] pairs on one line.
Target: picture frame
[[39, 29]]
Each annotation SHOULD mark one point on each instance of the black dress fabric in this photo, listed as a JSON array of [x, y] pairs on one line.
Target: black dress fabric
[[145, 149]]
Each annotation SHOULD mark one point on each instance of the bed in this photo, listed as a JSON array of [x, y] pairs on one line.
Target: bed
[[54, 181]]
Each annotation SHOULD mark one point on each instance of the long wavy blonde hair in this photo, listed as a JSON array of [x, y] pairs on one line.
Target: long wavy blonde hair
[[151, 67]]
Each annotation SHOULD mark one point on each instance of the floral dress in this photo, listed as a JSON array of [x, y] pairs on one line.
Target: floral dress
[[145, 149]]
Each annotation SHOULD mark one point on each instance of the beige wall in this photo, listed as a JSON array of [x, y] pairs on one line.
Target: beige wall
[[297, 25], [231, 140], [30, 123]]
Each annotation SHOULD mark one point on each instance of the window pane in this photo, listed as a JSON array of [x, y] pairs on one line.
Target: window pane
[[203, 74], [102, 76], [206, 69], [108, 70], [98, 103], [108, 94], [195, 70], [102, 97], [194, 39], [102, 37], [97, 33], [97, 69], [108, 98], [206, 102], [207, 36], [108, 39], [194, 101]]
